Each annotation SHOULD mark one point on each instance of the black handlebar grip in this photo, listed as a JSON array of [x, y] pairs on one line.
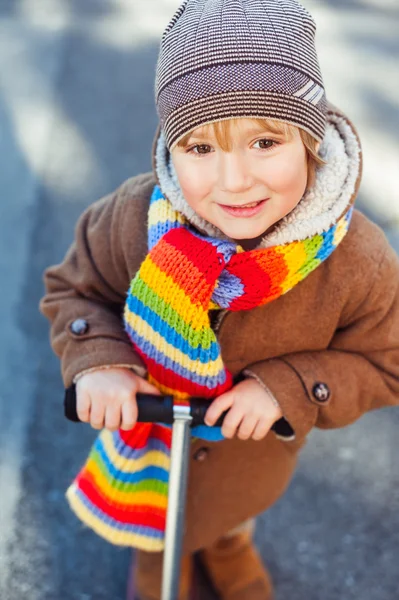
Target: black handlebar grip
[[70, 404], [199, 406]]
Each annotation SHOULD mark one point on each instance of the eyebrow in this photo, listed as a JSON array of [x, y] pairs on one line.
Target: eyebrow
[[197, 136], [257, 130], [253, 131]]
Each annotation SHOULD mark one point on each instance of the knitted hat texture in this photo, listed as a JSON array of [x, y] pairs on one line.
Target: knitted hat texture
[[223, 59]]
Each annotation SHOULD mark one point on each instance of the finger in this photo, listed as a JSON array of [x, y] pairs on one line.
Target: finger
[[145, 387], [113, 417], [83, 406], [231, 422], [261, 430], [129, 414], [97, 414], [217, 407], [247, 427]]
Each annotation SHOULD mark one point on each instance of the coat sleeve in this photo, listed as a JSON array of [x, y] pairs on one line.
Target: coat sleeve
[[90, 287], [358, 372]]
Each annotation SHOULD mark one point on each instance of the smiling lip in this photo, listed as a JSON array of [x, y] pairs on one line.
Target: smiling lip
[[245, 210]]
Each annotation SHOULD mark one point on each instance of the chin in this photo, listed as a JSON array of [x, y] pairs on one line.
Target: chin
[[242, 233]]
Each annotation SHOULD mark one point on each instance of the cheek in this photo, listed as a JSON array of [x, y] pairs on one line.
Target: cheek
[[288, 175], [195, 185]]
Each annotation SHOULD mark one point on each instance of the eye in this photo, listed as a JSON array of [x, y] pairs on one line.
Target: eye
[[266, 144], [202, 149]]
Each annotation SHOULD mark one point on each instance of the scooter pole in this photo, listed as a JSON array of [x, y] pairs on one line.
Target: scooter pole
[[178, 477]]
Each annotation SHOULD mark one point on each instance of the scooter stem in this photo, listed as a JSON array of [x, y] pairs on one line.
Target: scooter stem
[[178, 478]]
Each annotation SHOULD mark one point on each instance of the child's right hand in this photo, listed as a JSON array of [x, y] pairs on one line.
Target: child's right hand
[[107, 397]]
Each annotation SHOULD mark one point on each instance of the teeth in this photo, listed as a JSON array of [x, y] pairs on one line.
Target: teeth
[[247, 205], [250, 205]]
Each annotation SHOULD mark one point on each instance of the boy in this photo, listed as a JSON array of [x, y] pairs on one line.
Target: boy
[[250, 280]]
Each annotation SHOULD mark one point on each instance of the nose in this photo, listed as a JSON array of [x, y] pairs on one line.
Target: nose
[[234, 173]]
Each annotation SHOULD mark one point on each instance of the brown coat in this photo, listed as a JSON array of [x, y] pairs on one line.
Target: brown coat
[[338, 327]]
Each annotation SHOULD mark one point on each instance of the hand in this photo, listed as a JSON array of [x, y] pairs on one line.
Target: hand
[[107, 397], [252, 410]]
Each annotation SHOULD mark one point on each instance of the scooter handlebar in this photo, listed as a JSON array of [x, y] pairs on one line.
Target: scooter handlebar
[[151, 409]]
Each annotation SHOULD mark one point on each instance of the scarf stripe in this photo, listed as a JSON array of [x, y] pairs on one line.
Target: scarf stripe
[[120, 533], [153, 340], [160, 313], [121, 491]]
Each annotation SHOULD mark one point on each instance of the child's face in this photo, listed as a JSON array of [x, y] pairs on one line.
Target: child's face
[[261, 166]]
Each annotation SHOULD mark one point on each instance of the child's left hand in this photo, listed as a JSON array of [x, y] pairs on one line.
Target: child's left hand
[[253, 411]]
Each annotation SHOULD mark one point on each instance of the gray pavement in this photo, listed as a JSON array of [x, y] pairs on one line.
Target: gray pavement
[[77, 118]]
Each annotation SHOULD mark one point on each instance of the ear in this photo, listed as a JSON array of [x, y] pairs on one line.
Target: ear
[[318, 146]]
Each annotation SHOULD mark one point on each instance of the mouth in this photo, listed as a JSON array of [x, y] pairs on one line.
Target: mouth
[[244, 210]]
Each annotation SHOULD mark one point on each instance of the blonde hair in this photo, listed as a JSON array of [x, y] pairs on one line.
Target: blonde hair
[[222, 132]]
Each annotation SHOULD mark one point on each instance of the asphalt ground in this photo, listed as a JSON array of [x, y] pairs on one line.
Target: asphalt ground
[[77, 117]]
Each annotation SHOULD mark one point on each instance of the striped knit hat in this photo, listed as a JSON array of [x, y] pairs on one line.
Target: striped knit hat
[[221, 59]]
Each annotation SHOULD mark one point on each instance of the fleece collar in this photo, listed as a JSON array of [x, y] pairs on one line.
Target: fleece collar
[[335, 187]]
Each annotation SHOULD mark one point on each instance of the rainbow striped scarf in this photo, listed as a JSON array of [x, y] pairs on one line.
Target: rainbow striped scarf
[[121, 492]]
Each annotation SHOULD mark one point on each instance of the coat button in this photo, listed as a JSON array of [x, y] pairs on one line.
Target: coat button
[[201, 454], [79, 326], [321, 392]]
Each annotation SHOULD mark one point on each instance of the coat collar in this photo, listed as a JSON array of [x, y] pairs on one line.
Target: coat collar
[[334, 190]]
